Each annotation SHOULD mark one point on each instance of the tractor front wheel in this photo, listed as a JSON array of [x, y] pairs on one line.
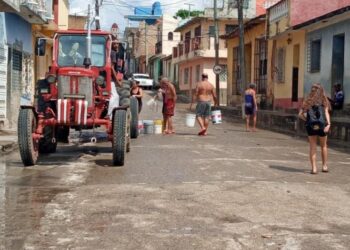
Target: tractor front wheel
[[119, 137], [134, 121], [28, 147]]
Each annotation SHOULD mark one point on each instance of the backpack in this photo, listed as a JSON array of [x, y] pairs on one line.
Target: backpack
[[316, 118]]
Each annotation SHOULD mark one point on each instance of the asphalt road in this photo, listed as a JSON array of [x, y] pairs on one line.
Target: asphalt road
[[228, 190]]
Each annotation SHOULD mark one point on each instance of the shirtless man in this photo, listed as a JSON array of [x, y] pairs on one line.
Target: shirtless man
[[203, 94], [169, 99]]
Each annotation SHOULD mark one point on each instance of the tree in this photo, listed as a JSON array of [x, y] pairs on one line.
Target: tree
[[183, 14]]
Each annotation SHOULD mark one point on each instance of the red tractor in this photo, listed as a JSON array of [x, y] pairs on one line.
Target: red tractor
[[78, 93]]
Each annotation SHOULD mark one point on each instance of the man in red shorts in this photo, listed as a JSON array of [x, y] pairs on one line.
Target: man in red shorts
[[169, 99]]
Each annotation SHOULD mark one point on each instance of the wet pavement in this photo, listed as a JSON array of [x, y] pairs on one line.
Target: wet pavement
[[229, 190]]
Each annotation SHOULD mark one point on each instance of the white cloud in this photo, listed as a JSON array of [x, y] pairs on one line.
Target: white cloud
[[113, 11]]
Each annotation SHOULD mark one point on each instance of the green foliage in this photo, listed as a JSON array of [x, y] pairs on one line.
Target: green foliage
[[183, 14]]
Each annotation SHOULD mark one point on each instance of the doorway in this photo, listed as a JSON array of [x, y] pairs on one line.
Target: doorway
[[295, 76], [338, 59]]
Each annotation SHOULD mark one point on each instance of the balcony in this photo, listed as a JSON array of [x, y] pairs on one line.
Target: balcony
[[194, 48], [34, 11], [278, 18], [10, 5], [158, 48], [279, 11]]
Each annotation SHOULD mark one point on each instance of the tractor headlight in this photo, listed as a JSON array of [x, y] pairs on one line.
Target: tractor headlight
[[51, 79], [100, 80]]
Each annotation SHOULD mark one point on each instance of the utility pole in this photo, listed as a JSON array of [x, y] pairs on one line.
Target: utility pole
[[146, 48], [241, 46], [189, 8], [217, 77], [97, 10]]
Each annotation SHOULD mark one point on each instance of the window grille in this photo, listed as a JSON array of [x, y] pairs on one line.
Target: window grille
[[280, 65], [186, 76], [260, 65], [236, 78], [223, 74], [314, 56]]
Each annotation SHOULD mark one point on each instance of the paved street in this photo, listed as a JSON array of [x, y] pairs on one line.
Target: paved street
[[228, 190]]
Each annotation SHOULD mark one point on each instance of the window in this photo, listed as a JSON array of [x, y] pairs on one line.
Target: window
[[314, 56], [237, 86], [198, 73], [170, 36], [280, 64], [186, 76], [229, 28], [223, 74], [260, 65], [72, 50], [212, 31], [233, 4]]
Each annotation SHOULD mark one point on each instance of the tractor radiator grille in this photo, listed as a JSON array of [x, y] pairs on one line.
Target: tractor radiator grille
[[69, 86]]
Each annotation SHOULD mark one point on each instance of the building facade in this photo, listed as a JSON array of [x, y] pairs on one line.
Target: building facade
[[327, 57], [32, 19], [166, 40]]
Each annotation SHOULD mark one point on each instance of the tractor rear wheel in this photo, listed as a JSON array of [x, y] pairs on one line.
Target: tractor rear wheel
[[28, 147], [48, 143], [134, 121], [119, 137]]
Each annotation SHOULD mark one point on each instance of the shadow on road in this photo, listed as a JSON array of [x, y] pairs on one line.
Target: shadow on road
[[287, 169]]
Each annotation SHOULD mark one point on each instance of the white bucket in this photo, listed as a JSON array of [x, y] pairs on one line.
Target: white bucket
[[148, 127], [190, 120], [216, 117], [158, 129], [140, 126]]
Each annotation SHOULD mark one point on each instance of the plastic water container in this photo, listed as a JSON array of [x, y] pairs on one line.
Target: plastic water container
[[158, 127], [190, 120], [216, 117], [140, 126], [148, 127]]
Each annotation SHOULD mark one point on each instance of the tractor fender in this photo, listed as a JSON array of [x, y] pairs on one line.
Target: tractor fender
[[30, 107]]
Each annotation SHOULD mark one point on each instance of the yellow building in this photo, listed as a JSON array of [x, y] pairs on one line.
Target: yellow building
[[285, 57], [256, 62]]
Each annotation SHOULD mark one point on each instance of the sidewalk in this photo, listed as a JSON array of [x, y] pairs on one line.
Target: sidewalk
[[8, 141]]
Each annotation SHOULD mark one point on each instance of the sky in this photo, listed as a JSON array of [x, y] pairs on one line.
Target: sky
[[113, 11]]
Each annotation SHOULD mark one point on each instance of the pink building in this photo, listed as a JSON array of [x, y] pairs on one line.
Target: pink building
[[195, 54]]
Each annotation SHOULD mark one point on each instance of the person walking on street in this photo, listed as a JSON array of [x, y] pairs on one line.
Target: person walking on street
[[168, 91], [137, 92], [250, 106], [203, 94], [315, 113]]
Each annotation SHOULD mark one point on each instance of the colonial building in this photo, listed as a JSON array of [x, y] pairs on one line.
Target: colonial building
[[287, 47], [195, 54], [19, 67], [327, 57], [166, 40], [256, 62]]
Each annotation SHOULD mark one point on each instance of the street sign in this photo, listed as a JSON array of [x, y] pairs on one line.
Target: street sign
[[217, 69]]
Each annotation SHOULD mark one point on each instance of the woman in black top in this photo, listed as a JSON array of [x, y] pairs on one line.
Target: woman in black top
[[136, 91]]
